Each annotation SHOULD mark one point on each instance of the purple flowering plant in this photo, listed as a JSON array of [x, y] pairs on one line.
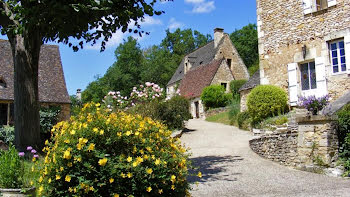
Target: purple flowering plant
[[313, 104], [17, 169]]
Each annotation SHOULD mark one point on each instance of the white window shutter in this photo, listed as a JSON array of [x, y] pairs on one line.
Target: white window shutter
[[332, 3], [321, 77], [307, 6], [293, 84], [347, 52]]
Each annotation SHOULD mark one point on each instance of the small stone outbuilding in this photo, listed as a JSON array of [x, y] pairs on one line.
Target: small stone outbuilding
[[52, 85], [247, 87], [217, 62]]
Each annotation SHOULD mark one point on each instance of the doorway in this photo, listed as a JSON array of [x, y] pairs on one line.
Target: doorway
[[196, 104]]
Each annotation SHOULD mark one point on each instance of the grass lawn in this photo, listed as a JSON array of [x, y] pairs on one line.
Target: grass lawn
[[219, 118]]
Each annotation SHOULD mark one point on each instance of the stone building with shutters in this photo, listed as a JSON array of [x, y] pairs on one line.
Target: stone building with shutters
[[304, 46], [217, 62], [52, 85]]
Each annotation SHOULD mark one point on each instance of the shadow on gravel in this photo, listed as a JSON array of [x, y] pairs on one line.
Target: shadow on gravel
[[213, 168], [185, 130]]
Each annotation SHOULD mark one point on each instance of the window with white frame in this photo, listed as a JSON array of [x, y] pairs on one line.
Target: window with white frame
[[337, 55], [321, 5], [311, 6], [308, 76]]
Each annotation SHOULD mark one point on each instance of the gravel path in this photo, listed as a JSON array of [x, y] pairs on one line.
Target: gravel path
[[230, 168]]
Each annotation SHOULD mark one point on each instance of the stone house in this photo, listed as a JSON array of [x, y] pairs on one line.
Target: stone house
[[52, 85], [304, 46], [217, 62]]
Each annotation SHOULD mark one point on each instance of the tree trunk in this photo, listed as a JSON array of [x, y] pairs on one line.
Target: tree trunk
[[25, 51]]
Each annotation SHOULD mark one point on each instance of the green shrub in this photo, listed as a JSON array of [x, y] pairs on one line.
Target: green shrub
[[104, 153], [266, 101], [48, 118], [344, 136], [172, 112], [7, 134], [10, 169], [214, 96], [234, 109], [175, 111], [243, 120], [252, 69], [235, 85]]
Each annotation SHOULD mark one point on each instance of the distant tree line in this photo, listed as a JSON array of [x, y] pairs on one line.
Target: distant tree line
[[134, 66]]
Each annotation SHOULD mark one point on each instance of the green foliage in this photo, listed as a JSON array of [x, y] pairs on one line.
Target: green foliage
[[344, 136], [88, 20], [266, 101], [175, 111], [269, 123], [172, 112], [214, 96], [7, 134], [235, 85], [246, 43], [48, 118], [113, 154], [252, 69], [10, 169], [243, 120]]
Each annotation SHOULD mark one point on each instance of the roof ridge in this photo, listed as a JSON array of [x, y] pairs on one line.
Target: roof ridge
[[198, 48]]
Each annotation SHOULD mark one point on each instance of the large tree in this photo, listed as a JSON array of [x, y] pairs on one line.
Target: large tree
[[28, 24]]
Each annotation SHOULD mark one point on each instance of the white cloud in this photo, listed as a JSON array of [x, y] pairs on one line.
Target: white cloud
[[174, 24], [201, 6], [194, 1], [148, 21], [118, 37]]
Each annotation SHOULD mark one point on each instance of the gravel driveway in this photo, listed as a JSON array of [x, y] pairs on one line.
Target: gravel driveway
[[230, 168]]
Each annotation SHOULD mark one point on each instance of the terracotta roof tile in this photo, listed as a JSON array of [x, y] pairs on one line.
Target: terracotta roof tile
[[197, 79]]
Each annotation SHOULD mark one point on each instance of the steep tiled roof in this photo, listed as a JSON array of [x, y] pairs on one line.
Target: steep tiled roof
[[52, 86], [197, 79], [253, 81], [201, 56]]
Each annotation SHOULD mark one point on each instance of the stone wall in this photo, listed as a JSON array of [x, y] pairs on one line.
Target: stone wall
[[228, 51], [215, 111], [244, 98], [223, 75], [307, 141], [284, 29], [281, 148]]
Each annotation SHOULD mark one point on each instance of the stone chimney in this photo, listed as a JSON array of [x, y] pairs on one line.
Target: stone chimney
[[218, 34], [78, 95]]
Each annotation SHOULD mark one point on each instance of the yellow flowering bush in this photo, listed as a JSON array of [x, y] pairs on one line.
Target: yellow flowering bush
[[103, 153]]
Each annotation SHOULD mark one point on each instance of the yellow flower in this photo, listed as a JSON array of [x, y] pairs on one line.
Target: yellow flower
[[149, 189], [173, 178], [157, 162], [129, 175], [122, 175], [79, 146], [128, 133], [139, 159], [91, 147], [68, 178], [199, 174], [49, 181], [46, 142], [111, 180], [98, 105], [129, 159], [102, 162], [92, 188], [102, 132], [40, 179], [61, 168], [70, 189], [173, 187], [31, 183], [67, 154], [33, 169], [58, 177], [119, 134], [67, 141], [70, 164], [160, 191], [137, 133], [72, 132], [95, 130], [41, 188], [135, 163], [116, 195], [149, 171]]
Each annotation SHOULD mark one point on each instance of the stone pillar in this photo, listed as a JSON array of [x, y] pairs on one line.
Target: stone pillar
[[317, 140]]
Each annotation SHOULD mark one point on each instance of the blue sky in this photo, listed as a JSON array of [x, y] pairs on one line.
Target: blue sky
[[80, 68]]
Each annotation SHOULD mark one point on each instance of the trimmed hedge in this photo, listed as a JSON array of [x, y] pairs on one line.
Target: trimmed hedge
[[214, 96], [266, 101], [344, 136]]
